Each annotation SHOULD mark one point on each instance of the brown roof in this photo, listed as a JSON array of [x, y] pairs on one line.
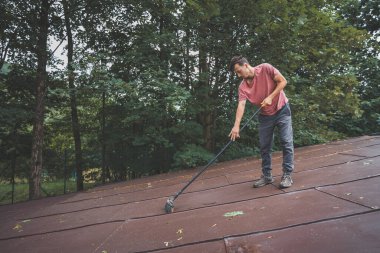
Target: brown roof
[[333, 206]]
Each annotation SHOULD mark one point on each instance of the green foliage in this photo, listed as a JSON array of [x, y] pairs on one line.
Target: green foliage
[[239, 150], [364, 15], [52, 188], [191, 156]]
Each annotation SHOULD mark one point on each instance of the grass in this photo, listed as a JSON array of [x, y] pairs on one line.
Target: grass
[[48, 189]]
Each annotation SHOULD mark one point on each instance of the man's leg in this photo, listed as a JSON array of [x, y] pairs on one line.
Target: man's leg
[[266, 128], [284, 124]]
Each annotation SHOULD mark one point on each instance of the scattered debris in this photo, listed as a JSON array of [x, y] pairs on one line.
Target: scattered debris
[[233, 214], [25, 221], [179, 239], [180, 231], [213, 225], [18, 228], [348, 193]]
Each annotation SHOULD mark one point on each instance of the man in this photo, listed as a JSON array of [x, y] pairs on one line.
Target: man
[[263, 86]]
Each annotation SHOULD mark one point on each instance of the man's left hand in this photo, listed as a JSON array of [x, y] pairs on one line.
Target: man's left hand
[[266, 101]]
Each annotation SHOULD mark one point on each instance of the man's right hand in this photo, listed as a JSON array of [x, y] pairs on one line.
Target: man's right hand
[[239, 115], [234, 133]]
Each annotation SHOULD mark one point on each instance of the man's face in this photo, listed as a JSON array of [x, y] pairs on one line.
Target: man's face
[[242, 71]]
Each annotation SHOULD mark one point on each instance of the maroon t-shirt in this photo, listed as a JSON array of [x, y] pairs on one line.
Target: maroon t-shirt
[[263, 86]]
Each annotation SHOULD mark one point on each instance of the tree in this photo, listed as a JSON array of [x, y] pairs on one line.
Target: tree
[[41, 85], [364, 15], [73, 100]]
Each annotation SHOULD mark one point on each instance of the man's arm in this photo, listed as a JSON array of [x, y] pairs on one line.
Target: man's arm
[[280, 85], [239, 115]]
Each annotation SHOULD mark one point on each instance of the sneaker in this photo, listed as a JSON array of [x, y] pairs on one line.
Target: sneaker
[[286, 181], [264, 180]]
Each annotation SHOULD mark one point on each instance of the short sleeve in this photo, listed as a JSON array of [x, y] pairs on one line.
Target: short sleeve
[[272, 71], [242, 94]]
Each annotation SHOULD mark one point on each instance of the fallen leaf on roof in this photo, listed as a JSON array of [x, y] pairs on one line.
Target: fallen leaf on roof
[[25, 221], [179, 239], [233, 214], [166, 244], [149, 185], [270, 237], [104, 251], [180, 231], [361, 197], [348, 193], [213, 225], [17, 227]]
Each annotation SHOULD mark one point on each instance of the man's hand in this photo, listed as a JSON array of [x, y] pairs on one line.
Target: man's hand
[[235, 133], [266, 101], [280, 85], [239, 114]]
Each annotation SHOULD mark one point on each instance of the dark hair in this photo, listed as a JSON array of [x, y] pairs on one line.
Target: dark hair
[[237, 60]]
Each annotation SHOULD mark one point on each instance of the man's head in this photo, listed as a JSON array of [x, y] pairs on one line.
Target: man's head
[[241, 67]]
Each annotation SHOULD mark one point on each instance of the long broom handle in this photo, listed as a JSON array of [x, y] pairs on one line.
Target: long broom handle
[[214, 159]]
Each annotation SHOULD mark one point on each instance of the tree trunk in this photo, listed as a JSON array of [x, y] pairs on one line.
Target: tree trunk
[[73, 100], [3, 55], [41, 85], [206, 113], [14, 159], [208, 124], [104, 167], [187, 59]]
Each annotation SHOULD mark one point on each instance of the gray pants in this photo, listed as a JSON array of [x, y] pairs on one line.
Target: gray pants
[[283, 120]]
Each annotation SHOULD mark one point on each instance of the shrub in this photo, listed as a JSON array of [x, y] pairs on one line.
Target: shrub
[[191, 156]]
